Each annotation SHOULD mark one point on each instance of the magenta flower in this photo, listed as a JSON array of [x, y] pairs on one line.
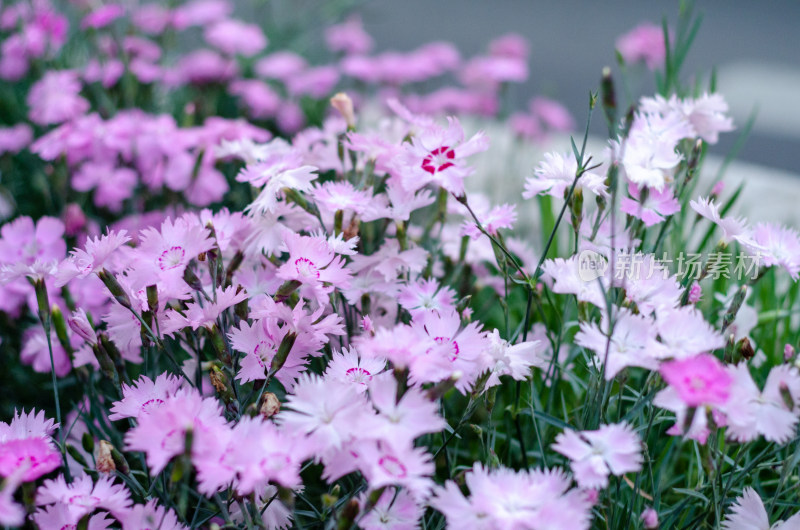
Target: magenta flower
[[552, 114], [163, 255], [699, 380], [112, 185], [612, 449], [26, 447], [22, 241], [315, 82], [500, 216], [202, 67], [333, 196], [33, 457], [36, 353], [252, 454], [490, 71], [280, 65], [259, 99]]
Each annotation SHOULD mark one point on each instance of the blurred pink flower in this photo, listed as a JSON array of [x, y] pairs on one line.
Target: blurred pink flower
[[55, 98], [16, 138], [348, 37], [644, 43], [235, 37], [102, 16]]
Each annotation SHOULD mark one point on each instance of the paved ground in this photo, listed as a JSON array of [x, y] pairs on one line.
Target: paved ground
[[755, 46]]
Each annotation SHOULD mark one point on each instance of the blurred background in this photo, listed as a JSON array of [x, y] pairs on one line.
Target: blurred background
[[755, 47]]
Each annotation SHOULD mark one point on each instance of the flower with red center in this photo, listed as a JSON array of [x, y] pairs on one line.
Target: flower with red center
[[439, 159], [444, 349], [313, 264], [436, 154], [699, 380], [259, 343], [163, 255], [346, 366], [171, 258]]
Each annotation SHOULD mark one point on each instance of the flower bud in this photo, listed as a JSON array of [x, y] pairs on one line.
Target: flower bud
[[746, 349], [695, 292], [270, 405], [344, 105], [736, 304], [115, 288], [79, 324], [788, 352], [104, 460], [282, 354]]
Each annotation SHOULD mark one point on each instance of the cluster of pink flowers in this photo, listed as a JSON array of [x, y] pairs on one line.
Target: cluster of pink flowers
[[332, 329]]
